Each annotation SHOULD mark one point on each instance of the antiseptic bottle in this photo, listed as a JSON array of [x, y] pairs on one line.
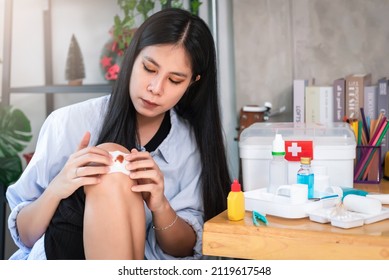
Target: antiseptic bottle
[[278, 172], [305, 175], [235, 202]]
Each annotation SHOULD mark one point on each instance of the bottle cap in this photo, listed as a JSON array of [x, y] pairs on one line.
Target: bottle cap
[[278, 145], [235, 186], [305, 160]]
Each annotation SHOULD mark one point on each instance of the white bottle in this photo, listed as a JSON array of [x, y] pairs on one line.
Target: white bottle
[[278, 174], [321, 180]]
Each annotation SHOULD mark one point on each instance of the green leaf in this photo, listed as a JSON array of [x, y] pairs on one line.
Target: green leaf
[[131, 4], [163, 2], [177, 4], [15, 131], [10, 170], [195, 6], [117, 20], [15, 134], [144, 7]]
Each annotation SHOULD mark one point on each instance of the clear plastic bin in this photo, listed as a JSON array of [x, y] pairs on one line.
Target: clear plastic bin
[[333, 146]]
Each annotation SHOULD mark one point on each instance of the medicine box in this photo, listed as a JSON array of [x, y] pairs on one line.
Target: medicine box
[[331, 146]]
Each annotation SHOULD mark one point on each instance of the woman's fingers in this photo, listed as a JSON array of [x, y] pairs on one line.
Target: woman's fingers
[[92, 170], [84, 141], [150, 182], [92, 155], [140, 161], [85, 154]]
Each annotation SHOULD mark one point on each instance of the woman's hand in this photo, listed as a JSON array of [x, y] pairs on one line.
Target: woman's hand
[[146, 172], [84, 167]]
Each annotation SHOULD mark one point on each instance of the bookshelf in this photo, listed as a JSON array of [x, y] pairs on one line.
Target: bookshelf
[[49, 88], [97, 88]]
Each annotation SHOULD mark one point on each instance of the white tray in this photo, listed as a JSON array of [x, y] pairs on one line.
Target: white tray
[[266, 203], [351, 220]]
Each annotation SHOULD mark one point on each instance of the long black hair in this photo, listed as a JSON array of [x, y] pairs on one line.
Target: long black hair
[[199, 105]]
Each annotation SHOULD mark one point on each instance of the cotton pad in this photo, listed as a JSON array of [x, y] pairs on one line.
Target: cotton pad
[[119, 163]]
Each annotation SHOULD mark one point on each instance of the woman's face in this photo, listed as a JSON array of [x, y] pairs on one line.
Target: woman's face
[[160, 77]]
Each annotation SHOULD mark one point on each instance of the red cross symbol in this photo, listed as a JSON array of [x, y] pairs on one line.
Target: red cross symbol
[[297, 149]]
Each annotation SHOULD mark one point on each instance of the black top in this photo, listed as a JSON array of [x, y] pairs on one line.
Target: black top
[[161, 134]]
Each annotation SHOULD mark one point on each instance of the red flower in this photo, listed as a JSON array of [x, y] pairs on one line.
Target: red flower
[[106, 61], [112, 72]]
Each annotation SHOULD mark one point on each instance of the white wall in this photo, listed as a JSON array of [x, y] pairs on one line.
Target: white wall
[[277, 41], [27, 61]]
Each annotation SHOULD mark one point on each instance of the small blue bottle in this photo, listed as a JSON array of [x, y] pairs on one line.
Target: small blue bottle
[[306, 176]]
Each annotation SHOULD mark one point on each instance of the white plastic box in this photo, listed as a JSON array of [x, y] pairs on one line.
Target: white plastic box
[[333, 145]]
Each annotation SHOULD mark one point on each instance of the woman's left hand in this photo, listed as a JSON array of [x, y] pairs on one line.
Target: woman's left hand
[[149, 179]]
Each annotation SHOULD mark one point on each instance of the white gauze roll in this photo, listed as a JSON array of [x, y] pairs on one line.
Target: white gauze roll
[[362, 204]]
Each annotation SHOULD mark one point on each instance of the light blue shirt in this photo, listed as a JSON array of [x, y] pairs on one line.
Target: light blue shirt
[[177, 157]]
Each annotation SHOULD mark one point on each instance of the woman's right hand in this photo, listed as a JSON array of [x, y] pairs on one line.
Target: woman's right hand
[[83, 167]]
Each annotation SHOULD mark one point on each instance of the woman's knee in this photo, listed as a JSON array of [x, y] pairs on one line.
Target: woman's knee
[[110, 147], [116, 185]]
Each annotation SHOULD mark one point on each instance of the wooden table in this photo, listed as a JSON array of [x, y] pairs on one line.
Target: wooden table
[[296, 238]]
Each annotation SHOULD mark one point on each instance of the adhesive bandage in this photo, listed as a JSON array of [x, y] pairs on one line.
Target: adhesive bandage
[[119, 163]]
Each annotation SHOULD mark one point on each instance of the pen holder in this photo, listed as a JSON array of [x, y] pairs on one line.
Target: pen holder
[[368, 167]]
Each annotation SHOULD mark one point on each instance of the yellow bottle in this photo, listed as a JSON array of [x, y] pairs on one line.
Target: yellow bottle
[[235, 202]]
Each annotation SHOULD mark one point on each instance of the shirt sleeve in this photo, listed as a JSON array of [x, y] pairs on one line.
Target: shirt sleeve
[[58, 138], [189, 209], [183, 190], [35, 177]]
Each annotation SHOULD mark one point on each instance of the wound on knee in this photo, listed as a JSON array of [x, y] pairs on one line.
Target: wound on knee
[[119, 163]]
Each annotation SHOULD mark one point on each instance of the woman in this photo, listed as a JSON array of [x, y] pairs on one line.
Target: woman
[[163, 114]]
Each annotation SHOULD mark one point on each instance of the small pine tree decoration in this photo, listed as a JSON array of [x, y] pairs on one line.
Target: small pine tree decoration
[[75, 70]]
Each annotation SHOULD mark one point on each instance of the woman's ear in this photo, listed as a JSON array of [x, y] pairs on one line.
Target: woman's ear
[[195, 80]]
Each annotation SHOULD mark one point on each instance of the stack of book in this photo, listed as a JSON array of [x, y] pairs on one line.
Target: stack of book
[[342, 101]]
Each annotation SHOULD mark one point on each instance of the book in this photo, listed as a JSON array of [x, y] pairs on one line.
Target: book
[[339, 91], [370, 101], [312, 104], [326, 105], [383, 96], [299, 86], [355, 86], [383, 107], [318, 104]]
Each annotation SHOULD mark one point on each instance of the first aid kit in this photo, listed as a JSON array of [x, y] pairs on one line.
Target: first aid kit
[[330, 146]]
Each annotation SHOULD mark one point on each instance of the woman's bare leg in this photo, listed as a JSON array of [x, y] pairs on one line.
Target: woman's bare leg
[[114, 218]]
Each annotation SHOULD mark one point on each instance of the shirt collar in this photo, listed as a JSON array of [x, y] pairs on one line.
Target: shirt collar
[[168, 146]]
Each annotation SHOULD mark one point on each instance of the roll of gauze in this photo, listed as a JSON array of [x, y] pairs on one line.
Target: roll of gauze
[[362, 204]]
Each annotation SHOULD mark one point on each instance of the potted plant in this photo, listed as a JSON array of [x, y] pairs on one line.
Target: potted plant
[[15, 134]]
